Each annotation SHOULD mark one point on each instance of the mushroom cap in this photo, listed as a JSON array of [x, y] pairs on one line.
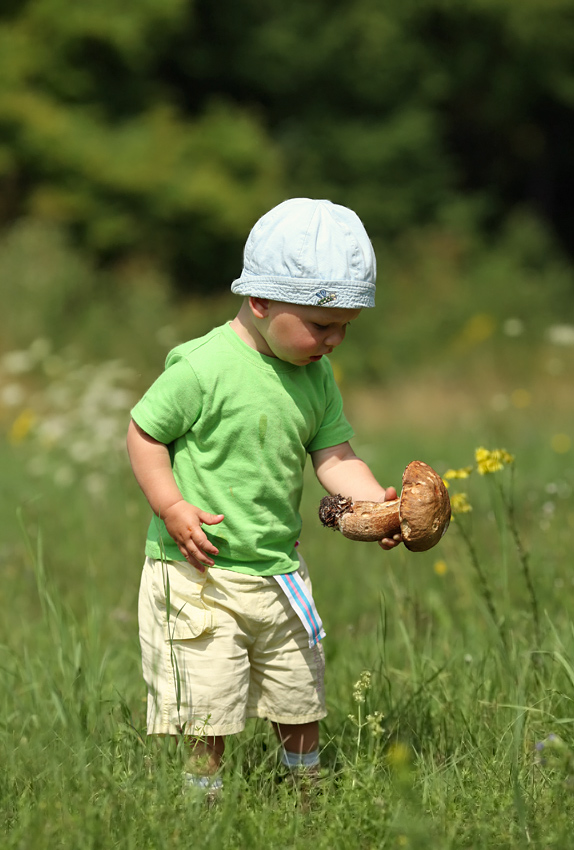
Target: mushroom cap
[[424, 507]]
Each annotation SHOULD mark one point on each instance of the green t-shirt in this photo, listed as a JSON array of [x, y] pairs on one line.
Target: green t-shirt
[[238, 425]]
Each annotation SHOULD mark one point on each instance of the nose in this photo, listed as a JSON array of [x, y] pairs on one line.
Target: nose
[[335, 337]]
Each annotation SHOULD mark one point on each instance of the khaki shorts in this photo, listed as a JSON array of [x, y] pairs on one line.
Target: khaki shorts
[[229, 647]]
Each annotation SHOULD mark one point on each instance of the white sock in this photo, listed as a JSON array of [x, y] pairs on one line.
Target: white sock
[[293, 760], [211, 783]]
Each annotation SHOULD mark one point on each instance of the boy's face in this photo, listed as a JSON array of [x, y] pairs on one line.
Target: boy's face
[[300, 334]]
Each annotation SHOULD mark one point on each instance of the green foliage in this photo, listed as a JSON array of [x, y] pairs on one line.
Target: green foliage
[[51, 295], [113, 157], [451, 300], [162, 130], [446, 299]]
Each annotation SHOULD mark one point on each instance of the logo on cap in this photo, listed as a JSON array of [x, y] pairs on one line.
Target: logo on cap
[[324, 297]]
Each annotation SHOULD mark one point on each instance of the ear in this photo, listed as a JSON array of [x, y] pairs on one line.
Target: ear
[[259, 307]]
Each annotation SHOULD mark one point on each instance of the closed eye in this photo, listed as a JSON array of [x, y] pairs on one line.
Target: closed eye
[[326, 327]]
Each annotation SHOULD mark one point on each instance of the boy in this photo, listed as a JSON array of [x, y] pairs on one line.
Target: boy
[[218, 445]]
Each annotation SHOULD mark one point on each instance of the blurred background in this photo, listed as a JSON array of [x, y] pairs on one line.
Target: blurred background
[[140, 142]]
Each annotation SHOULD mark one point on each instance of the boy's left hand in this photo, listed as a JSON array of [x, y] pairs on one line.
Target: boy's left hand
[[390, 542], [339, 470]]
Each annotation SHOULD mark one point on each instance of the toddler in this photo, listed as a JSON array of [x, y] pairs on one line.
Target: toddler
[[218, 444]]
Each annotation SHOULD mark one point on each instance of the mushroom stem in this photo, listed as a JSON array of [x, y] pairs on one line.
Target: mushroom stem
[[421, 515], [367, 521]]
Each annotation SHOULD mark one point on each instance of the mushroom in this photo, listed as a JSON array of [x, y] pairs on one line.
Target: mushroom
[[421, 514]]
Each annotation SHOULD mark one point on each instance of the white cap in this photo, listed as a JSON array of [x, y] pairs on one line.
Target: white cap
[[309, 252]]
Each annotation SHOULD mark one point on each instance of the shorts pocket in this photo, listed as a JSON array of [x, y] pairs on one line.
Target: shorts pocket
[[177, 590]]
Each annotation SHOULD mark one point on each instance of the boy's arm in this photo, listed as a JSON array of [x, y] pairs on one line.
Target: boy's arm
[[152, 468], [339, 470]]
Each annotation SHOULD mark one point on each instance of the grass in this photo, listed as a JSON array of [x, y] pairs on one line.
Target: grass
[[452, 746], [452, 760]]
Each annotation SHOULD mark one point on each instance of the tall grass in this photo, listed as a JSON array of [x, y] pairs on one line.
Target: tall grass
[[450, 674], [436, 746]]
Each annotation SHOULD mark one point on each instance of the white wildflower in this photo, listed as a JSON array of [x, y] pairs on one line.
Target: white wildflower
[[361, 687], [12, 395], [561, 334], [17, 362], [513, 327]]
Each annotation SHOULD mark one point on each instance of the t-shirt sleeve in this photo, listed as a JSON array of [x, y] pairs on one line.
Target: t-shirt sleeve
[[334, 428], [171, 405]]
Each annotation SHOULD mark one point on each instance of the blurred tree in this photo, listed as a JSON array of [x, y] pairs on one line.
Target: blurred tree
[[346, 91], [508, 104], [92, 138], [163, 128]]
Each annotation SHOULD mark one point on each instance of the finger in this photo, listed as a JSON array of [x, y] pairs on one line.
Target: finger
[[198, 538], [200, 556], [203, 545], [390, 494], [387, 543], [197, 549], [196, 564], [191, 560], [209, 519]]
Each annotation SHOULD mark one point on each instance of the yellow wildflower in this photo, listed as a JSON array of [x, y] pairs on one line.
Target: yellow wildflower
[[399, 755], [459, 504], [477, 329], [521, 398], [464, 472], [440, 568], [561, 443], [22, 426], [492, 461], [337, 372]]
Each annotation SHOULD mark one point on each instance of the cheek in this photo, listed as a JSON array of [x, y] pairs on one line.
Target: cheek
[[296, 338], [307, 339], [290, 336]]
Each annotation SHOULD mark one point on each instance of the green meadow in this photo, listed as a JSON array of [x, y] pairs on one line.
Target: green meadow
[[139, 144], [450, 674]]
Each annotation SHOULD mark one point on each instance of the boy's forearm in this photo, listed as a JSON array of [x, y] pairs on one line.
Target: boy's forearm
[[152, 469], [353, 478], [339, 470]]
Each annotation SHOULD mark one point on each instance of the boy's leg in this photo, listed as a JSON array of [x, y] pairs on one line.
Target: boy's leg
[[298, 738], [300, 744], [202, 764], [205, 755], [301, 757]]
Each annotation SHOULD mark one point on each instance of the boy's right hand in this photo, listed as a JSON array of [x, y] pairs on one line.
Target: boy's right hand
[[183, 522]]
